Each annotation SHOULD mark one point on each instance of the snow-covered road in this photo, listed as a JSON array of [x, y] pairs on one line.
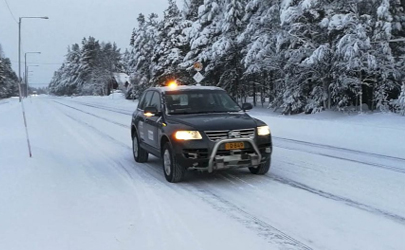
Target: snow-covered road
[[83, 190]]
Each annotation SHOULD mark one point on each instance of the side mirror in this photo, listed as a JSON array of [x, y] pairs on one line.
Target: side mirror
[[150, 111], [247, 106]]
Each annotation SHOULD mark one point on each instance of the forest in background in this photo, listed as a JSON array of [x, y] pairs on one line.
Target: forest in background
[[298, 55], [88, 69]]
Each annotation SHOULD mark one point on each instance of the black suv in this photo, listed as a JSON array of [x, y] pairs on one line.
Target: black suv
[[198, 128]]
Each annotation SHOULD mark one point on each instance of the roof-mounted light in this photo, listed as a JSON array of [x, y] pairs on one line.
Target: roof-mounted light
[[172, 84]]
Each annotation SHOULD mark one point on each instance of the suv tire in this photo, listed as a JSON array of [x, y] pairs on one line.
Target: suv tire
[[172, 170], [263, 168], [140, 154]]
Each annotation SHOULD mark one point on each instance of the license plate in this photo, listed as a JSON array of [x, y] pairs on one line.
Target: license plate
[[234, 145]]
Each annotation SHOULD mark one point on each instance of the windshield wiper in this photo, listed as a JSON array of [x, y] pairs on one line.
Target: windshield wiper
[[203, 112], [223, 111], [181, 113]]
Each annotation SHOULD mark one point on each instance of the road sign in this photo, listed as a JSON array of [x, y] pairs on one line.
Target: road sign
[[198, 66], [198, 77]]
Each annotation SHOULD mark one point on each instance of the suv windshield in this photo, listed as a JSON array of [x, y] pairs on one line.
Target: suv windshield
[[200, 101]]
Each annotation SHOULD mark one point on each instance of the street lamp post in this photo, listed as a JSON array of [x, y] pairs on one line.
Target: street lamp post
[[19, 80], [25, 70], [27, 75], [19, 47]]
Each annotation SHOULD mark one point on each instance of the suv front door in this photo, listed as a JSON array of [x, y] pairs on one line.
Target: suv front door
[[153, 123], [140, 118]]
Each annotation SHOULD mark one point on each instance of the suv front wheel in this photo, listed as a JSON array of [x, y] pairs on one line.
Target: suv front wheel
[[263, 168], [172, 170]]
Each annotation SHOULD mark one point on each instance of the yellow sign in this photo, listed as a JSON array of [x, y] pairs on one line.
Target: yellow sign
[[198, 66]]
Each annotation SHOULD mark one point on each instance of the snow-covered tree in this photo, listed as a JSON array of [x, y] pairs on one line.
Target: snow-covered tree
[[227, 50], [190, 10], [3, 89], [172, 45], [385, 73], [303, 55], [89, 59], [202, 34], [401, 101], [262, 60], [125, 62], [8, 78], [298, 39], [145, 38], [87, 70]]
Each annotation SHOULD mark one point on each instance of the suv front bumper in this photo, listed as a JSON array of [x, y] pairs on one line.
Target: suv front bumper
[[194, 156]]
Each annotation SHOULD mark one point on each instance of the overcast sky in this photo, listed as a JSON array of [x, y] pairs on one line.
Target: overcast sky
[[69, 21]]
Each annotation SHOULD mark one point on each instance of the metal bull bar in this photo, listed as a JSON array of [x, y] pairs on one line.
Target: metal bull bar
[[256, 161]]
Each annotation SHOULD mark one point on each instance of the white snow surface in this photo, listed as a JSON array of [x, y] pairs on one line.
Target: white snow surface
[[336, 182]]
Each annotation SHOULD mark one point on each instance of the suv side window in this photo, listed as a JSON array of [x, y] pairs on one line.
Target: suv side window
[[141, 101], [145, 100], [155, 102]]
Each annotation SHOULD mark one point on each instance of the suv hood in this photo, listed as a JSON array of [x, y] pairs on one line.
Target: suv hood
[[218, 121]]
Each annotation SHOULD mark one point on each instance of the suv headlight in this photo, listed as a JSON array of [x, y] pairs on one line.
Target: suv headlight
[[187, 135], [263, 130]]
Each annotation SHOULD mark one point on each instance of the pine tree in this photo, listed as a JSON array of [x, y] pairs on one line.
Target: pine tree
[[318, 69], [401, 101], [72, 70], [202, 34], [8, 78], [136, 59], [89, 59], [172, 45], [262, 61], [297, 41], [227, 51], [398, 48], [190, 10], [3, 89], [143, 59], [125, 62], [385, 73]]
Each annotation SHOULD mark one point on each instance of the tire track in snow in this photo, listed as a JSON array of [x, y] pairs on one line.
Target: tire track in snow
[[310, 144], [152, 176], [139, 181], [280, 179], [250, 221], [323, 146], [395, 169], [299, 185], [262, 228], [338, 198], [103, 107], [115, 110], [98, 131], [91, 114]]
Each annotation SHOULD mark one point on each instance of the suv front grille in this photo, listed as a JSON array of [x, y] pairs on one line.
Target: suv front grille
[[224, 134]]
